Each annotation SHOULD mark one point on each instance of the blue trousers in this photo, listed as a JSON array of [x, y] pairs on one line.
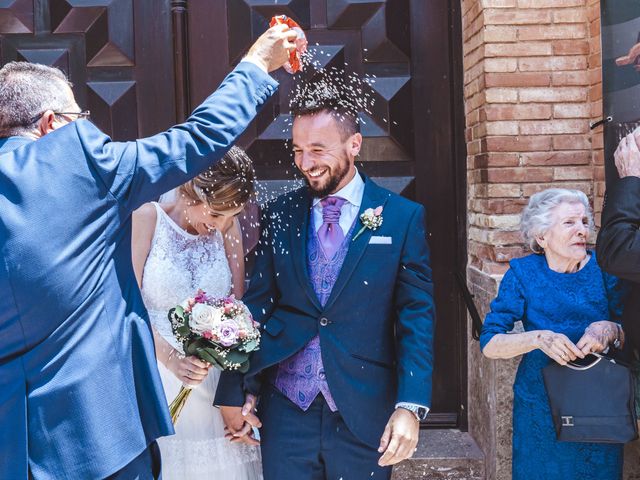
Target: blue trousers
[[312, 445], [146, 466]]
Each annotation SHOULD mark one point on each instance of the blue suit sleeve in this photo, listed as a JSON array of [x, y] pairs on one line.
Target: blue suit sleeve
[[617, 291], [415, 311], [261, 299], [505, 310], [140, 171], [618, 245]]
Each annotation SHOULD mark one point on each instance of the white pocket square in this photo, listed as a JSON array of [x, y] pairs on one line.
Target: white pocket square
[[377, 240]]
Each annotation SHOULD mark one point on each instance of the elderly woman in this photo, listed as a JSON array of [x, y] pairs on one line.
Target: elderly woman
[[568, 308]]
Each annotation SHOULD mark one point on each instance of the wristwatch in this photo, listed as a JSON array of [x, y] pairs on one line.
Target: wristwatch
[[419, 411]]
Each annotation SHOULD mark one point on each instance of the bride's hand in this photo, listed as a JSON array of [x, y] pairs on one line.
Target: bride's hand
[[189, 370]]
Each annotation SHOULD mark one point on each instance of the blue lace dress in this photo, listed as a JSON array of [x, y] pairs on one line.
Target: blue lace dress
[[564, 303]]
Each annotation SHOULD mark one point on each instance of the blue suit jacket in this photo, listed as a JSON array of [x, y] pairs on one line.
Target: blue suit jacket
[[377, 342], [81, 396]]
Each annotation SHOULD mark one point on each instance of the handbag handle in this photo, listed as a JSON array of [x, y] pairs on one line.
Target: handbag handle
[[575, 366]]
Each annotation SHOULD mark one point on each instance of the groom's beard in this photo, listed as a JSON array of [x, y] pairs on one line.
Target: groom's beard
[[331, 184]]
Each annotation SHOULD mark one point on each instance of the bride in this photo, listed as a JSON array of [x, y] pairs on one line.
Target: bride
[[194, 242]]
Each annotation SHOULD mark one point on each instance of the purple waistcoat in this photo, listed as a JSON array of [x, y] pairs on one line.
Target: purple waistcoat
[[301, 377]]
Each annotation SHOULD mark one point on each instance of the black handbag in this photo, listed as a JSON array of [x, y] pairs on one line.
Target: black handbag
[[592, 400]]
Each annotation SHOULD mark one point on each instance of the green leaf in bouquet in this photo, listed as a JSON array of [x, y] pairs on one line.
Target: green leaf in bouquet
[[182, 330], [250, 345], [236, 356], [210, 355], [191, 348]]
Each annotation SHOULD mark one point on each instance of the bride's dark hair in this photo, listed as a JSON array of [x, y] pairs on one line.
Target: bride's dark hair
[[227, 185]]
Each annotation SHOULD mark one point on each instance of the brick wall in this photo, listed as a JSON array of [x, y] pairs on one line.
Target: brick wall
[[532, 85]]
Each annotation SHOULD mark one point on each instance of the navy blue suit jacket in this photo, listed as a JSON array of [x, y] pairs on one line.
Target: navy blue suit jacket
[[377, 341], [80, 394]]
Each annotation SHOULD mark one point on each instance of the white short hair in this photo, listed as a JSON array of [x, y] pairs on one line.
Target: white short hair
[[537, 216]]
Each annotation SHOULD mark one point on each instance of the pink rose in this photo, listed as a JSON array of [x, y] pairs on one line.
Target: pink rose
[[378, 211]]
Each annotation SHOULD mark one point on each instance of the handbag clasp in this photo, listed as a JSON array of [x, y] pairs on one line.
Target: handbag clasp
[[567, 421]]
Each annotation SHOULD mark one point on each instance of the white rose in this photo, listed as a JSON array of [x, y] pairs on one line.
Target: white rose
[[204, 318]]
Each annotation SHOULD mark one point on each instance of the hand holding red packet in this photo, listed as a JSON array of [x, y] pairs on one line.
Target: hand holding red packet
[[293, 65]]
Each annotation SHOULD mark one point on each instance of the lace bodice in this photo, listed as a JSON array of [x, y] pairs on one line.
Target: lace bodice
[[178, 264]]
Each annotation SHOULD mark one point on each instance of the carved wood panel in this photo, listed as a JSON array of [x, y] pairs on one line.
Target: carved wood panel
[[117, 53]]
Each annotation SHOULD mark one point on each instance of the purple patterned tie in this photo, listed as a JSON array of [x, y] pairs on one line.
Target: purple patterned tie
[[330, 234]]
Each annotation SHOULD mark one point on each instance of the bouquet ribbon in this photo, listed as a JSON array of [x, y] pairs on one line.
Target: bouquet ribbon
[[293, 65]]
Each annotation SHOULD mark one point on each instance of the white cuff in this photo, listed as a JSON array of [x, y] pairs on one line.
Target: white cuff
[[257, 63]]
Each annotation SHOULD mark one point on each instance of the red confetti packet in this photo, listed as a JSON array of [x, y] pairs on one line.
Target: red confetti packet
[[293, 65]]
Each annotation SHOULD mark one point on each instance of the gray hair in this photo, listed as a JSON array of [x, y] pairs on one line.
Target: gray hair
[[537, 217], [28, 90]]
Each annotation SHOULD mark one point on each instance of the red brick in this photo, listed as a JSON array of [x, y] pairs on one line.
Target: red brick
[[518, 112], [570, 15], [501, 65], [549, 3], [572, 142], [518, 79], [557, 158], [518, 144], [501, 95], [571, 110], [516, 17], [496, 160], [571, 78], [518, 175], [559, 94], [551, 127], [570, 47], [573, 173], [521, 49], [541, 64], [551, 32], [500, 33]]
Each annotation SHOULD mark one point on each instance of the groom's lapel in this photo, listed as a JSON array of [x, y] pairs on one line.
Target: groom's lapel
[[298, 229], [373, 197]]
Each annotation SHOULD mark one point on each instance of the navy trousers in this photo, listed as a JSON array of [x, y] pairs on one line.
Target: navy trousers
[[146, 466], [311, 445]]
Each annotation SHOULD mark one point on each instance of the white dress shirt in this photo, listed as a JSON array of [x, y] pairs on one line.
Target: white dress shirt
[[352, 192]]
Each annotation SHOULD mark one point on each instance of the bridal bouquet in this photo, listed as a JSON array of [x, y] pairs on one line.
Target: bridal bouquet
[[219, 331]]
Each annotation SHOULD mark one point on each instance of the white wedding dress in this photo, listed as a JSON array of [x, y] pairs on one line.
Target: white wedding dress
[[178, 264]]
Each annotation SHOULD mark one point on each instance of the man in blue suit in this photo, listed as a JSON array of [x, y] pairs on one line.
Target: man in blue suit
[[343, 373], [80, 395]]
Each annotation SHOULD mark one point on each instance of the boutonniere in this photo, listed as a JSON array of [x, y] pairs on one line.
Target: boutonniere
[[371, 219]]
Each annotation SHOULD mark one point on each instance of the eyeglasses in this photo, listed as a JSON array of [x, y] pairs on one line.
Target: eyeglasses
[[84, 114]]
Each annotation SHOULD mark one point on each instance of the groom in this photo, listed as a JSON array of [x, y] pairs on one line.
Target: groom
[[344, 368]]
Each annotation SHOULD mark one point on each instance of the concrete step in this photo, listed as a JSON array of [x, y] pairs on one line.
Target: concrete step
[[443, 455]]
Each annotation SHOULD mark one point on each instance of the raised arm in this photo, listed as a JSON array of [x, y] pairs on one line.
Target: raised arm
[[137, 172]]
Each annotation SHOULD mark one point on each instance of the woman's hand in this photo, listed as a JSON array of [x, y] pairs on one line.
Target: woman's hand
[[189, 370], [558, 347], [598, 336]]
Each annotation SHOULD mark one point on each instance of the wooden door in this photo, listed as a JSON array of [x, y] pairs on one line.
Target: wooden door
[[141, 65]]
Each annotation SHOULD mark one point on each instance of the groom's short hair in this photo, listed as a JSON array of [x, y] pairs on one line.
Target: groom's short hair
[[346, 118]]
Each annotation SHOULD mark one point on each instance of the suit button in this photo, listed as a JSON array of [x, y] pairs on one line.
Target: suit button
[[324, 322]]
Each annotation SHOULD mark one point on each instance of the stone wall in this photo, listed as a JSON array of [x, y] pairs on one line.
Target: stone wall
[[532, 85]]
